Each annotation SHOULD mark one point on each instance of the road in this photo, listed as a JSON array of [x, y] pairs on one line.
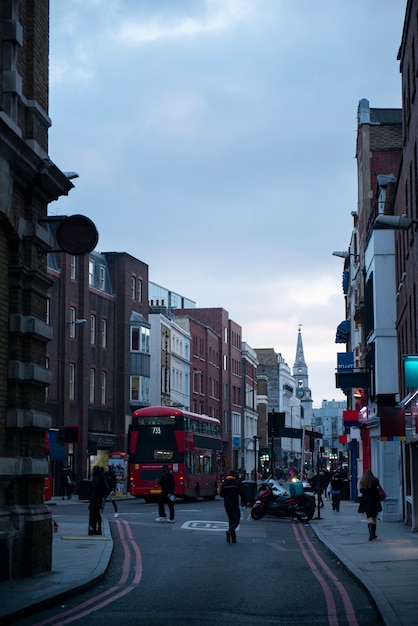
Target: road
[[186, 574]]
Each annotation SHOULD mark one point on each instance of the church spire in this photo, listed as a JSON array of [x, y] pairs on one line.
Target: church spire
[[300, 359], [300, 374]]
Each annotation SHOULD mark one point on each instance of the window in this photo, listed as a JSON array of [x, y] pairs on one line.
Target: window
[[92, 384], [91, 273], [226, 392], [145, 339], [92, 329], [102, 278], [133, 287], [72, 267], [71, 323], [48, 311], [134, 339], [104, 332], [140, 339], [46, 367], [103, 388], [139, 290], [236, 423], [71, 382], [139, 389], [225, 421]]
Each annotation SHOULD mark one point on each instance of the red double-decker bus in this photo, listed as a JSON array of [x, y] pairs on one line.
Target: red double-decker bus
[[189, 443]]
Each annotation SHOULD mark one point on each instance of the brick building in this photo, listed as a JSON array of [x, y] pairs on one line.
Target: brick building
[[228, 382], [28, 182], [98, 307], [406, 251]]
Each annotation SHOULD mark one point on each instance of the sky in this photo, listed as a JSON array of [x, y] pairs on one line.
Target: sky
[[215, 141]]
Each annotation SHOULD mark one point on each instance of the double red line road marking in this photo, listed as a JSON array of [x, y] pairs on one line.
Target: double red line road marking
[[132, 567]]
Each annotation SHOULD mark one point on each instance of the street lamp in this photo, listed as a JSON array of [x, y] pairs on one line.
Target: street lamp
[[72, 324], [397, 222], [344, 254], [77, 322]]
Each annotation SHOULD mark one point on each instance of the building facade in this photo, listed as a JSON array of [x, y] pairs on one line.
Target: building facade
[[369, 331], [406, 254], [98, 308], [29, 181], [228, 382], [170, 361]]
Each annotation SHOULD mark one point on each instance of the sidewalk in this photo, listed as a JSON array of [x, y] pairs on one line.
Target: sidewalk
[[78, 561], [386, 567]]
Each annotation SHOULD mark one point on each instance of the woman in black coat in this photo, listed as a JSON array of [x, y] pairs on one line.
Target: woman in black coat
[[370, 501]]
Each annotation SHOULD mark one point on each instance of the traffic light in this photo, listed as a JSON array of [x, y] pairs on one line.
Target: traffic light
[[275, 422], [71, 434]]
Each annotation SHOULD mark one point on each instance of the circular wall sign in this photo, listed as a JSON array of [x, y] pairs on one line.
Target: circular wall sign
[[77, 234]]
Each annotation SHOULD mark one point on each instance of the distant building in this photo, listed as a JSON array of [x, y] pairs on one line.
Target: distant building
[[328, 420], [224, 357], [170, 361]]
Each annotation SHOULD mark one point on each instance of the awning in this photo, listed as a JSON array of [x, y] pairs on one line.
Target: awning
[[57, 452], [343, 332], [350, 380]]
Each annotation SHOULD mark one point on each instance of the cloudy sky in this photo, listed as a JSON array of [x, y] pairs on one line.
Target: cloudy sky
[[215, 141]]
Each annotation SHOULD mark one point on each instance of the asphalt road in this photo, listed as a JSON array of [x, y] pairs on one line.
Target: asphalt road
[[186, 574]]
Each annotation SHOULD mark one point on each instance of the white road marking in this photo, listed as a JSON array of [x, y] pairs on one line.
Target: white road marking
[[205, 525]]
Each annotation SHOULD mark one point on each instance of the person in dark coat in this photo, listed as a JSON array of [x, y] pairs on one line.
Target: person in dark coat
[[370, 501], [98, 492], [110, 478], [337, 485], [66, 483], [166, 482], [231, 492]]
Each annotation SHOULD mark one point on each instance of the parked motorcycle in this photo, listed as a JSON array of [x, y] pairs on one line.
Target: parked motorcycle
[[273, 499]]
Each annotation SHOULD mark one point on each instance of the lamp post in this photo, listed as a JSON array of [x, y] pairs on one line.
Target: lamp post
[[255, 438], [295, 425]]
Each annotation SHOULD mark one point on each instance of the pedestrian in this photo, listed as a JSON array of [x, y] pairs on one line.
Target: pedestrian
[[370, 501], [110, 478], [337, 485], [231, 492], [242, 472], [98, 492], [66, 483], [316, 481], [166, 482], [327, 480]]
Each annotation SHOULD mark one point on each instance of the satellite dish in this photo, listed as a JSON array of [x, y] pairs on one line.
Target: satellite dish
[[77, 235]]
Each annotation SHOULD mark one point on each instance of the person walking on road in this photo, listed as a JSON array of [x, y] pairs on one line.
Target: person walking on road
[[166, 482], [98, 492], [231, 492], [66, 483], [370, 501], [337, 485], [110, 478]]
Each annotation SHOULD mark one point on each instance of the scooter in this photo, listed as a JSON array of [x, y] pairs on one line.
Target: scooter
[[273, 499]]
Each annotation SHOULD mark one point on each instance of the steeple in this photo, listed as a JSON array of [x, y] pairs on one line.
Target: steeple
[[300, 359], [300, 374]]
